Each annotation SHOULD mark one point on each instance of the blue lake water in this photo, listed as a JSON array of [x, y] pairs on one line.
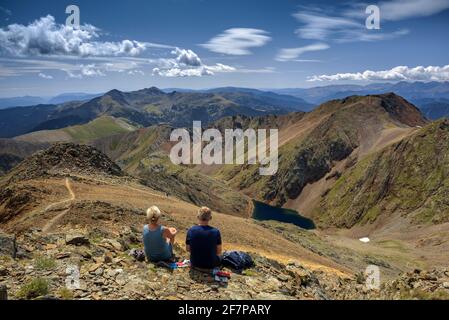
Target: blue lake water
[[263, 211]]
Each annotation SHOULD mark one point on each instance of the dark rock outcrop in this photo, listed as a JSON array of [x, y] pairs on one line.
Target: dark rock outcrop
[[8, 245]]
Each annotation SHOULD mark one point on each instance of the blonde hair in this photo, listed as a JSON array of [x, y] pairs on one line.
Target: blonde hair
[[204, 214], [153, 214]]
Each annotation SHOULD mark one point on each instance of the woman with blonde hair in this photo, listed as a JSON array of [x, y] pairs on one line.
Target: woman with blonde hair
[[158, 240]]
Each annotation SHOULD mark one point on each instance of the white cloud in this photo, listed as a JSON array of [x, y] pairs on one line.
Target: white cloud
[[237, 41], [10, 67], [187, 57], [177, 72], [261, 70], [90, 70], [93, 66], [184, 63], [44, 76], [400, 73], [187, 64], [405, 9], [362, 35], [347, 22], [396, 10], [318, 26], [136, 72], [219, 67], [45, 40], [44, 37], [292, 54]]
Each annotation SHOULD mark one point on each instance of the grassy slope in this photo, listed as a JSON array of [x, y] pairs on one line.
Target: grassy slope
[[95, 129], [99, 128], [144, 153], [410, 177]]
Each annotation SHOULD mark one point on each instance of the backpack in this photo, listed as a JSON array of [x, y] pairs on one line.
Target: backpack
[[137, 254], [237, 260]]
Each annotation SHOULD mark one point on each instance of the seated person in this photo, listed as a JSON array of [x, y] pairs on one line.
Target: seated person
[[204, 242], [157, 239]]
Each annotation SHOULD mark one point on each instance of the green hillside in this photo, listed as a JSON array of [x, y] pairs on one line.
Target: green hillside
[[98, 128], [410, 178]]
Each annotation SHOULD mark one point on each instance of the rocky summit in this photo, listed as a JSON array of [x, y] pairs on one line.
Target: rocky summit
[[46, 266], [63, 158]]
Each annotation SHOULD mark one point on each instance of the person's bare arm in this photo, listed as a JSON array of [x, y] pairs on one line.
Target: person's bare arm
[[219, 249], [170, 233]]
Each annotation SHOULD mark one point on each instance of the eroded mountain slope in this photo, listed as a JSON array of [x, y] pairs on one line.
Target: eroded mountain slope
[[316, 142], [409, 178]]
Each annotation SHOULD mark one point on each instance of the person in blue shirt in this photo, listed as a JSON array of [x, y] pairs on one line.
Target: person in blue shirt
[[158, 240], [204, 242]]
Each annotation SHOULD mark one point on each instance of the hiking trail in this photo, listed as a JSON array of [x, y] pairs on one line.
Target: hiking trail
[[50, 224]]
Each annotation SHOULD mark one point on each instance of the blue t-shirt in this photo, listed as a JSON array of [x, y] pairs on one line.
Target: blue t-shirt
[[203, 241]]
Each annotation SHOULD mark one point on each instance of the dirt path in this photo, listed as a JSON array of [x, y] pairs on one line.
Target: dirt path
[[160, 194], [50, 224]]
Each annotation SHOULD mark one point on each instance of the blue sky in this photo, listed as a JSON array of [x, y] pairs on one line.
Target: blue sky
[[201, 44]]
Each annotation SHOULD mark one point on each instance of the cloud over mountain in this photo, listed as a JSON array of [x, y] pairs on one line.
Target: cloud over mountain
[[400, 73]]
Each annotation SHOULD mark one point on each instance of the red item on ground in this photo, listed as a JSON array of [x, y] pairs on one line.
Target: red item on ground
[[223, 274]]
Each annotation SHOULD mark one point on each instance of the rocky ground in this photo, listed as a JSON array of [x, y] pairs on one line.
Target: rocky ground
[[65, 158], [43, 269]]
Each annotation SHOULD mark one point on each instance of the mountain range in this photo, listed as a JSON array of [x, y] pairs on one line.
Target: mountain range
[[144, 108], [430, 97], [360, 166], [32, 100], [412, 91], [420, 93]]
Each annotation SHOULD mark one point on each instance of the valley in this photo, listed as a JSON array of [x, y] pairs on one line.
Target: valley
[[361, 166]]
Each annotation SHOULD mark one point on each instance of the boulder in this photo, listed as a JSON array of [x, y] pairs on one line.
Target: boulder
[[8, 245], [111, 244], [76, 239]]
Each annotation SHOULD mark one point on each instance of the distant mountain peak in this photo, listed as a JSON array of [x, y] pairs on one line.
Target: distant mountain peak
[[397, 107], [114, 92], [401, 109], [153, 91]]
